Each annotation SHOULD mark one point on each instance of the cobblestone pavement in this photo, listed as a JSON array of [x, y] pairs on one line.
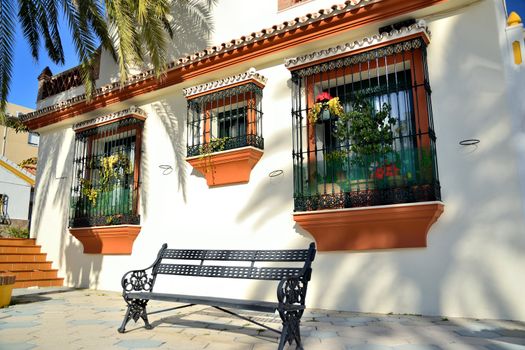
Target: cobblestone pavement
[[86, 319]]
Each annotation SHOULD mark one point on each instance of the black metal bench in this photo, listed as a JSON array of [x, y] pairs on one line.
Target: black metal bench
[[291, 291]]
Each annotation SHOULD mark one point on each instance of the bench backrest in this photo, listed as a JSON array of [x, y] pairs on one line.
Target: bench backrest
[[163, 266]]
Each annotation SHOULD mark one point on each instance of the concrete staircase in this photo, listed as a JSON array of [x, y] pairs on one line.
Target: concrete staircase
[[23, 258]]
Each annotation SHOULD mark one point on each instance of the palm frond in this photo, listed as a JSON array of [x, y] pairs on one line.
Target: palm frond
[[28, 16], [47, 17], [7, 34]]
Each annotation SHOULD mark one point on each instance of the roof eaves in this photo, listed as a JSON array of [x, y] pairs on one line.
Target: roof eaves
[[17, 170]]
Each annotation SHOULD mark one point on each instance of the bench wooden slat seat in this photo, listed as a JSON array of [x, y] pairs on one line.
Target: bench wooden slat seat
[[291, 290]]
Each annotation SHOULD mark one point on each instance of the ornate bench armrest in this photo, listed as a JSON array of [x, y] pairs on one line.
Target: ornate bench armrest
[[291, 291], [141, 280], [137, 281]]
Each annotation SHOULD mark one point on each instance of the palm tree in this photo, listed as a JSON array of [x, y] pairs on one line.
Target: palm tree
[[135, 32]]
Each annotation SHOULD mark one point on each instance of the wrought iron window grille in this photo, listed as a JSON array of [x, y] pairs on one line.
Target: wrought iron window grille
[[106, 175], [377, 145], [224, 120]]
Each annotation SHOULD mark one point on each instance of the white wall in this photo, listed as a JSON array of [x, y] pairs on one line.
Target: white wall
[[474, 259], [18, 192]]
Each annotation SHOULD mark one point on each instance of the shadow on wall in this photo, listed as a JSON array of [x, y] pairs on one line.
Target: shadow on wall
[[55, 190], [175, 128], [272, 195], [188, 35], [473, 254]]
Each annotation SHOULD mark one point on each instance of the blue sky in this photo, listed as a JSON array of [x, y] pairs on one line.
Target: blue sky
[[24, 85]]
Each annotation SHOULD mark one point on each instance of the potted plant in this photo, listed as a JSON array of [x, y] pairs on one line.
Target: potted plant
[[206, 150], [7, 281], [324, 106], [367, 132]]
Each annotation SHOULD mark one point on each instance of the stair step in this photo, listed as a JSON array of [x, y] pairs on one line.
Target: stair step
[[47, 282], [21, 257], [25, 275], [17, 241], [20, 249], [20, 266]]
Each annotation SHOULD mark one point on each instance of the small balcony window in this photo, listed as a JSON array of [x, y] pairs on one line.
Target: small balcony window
[[106, 175], [225, 138], [225, 120]]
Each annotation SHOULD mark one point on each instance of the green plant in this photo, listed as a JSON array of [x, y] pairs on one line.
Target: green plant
[[28, 161], [425, 170], [112, 169], [207, 149], [366, 131], [15, 232]]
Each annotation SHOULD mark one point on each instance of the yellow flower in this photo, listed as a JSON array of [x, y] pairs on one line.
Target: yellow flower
[[335, 108]]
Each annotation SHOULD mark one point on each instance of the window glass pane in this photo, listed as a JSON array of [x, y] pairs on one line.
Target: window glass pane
[[33, 138]]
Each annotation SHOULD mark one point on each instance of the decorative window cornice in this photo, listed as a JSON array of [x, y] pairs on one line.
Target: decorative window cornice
[[418, 28], [251, 74], [131, 111]]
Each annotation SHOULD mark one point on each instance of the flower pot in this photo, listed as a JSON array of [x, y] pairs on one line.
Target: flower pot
[[7, 281], [324, 115]]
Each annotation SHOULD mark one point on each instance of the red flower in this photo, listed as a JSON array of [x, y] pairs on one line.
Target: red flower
[[323, 97]]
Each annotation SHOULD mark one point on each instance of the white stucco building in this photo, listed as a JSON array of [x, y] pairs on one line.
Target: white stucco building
[[243, 145], [15, 191]]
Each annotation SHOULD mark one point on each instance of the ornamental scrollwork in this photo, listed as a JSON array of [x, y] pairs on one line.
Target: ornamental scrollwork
[[291, 291], [138, 280]]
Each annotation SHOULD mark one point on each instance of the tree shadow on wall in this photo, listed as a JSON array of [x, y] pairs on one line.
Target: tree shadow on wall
[[175, 128], [58, 174], [189, 27]]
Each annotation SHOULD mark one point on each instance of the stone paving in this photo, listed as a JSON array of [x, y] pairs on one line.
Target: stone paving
[[86, 319]]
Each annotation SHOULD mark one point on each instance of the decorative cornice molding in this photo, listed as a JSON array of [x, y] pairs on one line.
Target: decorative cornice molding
[[131, 111], [251, 74], [418, 28]]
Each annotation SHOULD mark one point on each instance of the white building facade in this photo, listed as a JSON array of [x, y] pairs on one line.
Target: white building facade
[[228, 153], [15, 192]]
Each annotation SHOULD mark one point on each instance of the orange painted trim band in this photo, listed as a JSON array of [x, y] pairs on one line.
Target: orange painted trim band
[[116, 239], [385, 227], [294, 37], [228, 167]]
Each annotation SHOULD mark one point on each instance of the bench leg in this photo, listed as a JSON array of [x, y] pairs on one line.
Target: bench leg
[[291, 330], [136, 309]]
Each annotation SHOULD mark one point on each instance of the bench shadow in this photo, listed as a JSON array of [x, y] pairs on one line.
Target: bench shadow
[[28, 299], [178, 321]]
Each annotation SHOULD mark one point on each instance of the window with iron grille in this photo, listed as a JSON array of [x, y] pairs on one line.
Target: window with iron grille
[[226, 119], [363, 133], [106, 174]]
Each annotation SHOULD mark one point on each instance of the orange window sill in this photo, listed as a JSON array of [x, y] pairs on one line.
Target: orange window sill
[[382, 227], [116, 239], [227, 167]]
